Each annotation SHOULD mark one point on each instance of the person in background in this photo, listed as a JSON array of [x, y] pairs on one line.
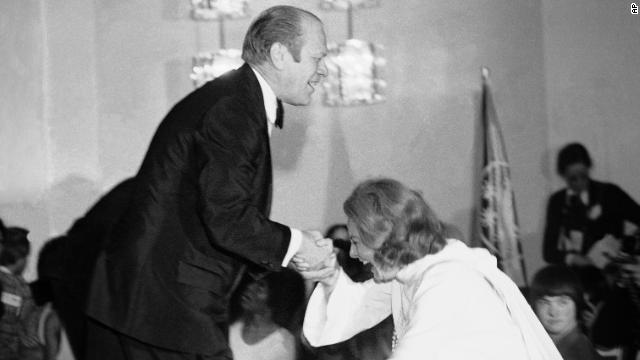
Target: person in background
[[20, 309], [448, 301], [337, 232], [584, 213], [267, 308], [608, 314], [557, 298]]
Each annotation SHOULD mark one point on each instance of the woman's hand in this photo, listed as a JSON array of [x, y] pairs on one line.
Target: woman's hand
[[326, 272]]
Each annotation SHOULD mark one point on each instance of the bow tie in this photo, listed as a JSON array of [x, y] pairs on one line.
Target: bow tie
[[279, 115]]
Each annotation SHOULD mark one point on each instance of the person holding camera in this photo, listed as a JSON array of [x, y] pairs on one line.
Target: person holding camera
[[585, 213]]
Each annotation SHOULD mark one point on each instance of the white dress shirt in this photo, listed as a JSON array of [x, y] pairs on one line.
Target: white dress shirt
[[270, 109]]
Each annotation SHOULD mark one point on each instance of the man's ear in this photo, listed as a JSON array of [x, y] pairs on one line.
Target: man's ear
[[279, 55]]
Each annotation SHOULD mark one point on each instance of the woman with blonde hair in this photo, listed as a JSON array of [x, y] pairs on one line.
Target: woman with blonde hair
[[448, 301]]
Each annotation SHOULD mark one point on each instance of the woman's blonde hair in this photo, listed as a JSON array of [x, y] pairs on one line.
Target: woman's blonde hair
[[395, 221]]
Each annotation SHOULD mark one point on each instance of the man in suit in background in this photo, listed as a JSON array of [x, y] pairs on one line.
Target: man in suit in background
[[198, 215]]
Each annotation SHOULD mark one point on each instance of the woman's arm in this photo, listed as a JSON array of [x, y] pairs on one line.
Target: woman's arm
[[341, 308]]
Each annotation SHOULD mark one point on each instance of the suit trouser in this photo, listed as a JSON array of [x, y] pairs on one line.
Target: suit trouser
[[104, 343]]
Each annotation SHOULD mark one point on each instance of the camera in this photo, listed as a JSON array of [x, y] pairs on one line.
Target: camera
[[629, 252]]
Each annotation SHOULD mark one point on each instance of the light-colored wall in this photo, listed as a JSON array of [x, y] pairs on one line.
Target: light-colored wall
[[592, 62], [101, 75], [24, 134]]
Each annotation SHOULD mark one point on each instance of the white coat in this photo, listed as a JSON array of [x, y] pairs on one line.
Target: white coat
[[455, 304]]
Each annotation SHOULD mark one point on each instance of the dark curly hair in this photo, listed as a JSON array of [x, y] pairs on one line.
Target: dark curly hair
[[395, 221]]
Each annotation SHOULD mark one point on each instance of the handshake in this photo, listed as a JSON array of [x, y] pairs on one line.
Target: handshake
[[315, 260]]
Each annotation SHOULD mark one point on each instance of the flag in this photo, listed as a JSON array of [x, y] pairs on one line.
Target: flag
[[498, 219]]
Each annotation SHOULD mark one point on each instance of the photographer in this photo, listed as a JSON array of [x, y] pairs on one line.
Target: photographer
[[584, 213]]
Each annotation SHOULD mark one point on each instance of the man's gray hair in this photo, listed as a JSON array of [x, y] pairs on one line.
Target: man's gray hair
[[278, 24]]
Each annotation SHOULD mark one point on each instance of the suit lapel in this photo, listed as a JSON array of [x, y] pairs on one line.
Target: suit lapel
[[264, 172]]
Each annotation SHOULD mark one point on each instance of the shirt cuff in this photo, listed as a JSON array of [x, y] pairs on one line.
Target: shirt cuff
[[294, 246]]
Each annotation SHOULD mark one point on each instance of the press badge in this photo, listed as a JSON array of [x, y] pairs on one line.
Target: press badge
[[11, 299]]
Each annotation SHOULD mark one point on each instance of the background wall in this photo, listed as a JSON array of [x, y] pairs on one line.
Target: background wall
[[25, 157], [593, 84], [87, 83]]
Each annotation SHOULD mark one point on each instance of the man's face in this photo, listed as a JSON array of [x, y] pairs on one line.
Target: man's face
[[577, 177], [301, 78]]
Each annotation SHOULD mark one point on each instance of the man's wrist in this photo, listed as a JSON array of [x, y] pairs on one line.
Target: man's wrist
[[295, 243]]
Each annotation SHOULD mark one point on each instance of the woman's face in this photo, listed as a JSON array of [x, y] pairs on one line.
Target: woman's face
[[362, 252], [255, 296], [557, 314]]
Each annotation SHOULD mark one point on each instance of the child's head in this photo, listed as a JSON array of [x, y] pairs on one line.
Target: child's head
[[15, 249], [556, 295]]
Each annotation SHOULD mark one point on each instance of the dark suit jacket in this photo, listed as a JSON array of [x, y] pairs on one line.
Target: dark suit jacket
[[616, 207], [65, 263], [197, 218]]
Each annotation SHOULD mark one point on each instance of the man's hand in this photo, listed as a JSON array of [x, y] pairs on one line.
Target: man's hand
[[313, 249], [325, 273]]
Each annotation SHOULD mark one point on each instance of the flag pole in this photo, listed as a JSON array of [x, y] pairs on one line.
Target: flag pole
[[485, 82], [488, 111]]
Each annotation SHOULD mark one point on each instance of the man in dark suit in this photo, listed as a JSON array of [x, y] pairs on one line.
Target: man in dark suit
[[198, 215], [584, 212]]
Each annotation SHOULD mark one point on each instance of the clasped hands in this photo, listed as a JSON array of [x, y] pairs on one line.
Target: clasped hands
[[315, 260]]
